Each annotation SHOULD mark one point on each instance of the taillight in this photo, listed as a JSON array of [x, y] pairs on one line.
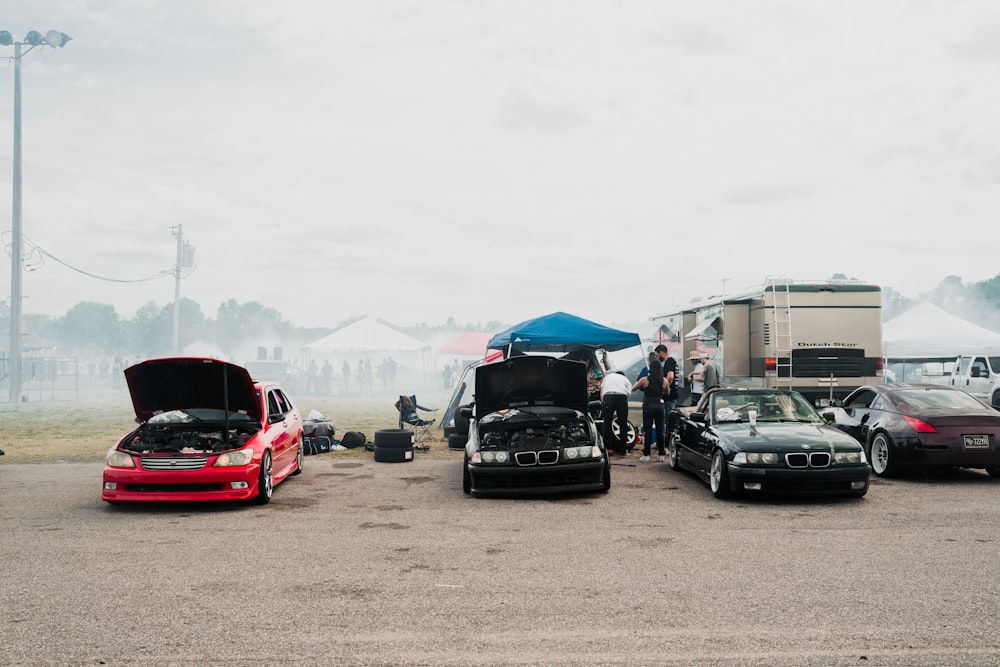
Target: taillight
[[919, 425], [770, 364], [878, 365]]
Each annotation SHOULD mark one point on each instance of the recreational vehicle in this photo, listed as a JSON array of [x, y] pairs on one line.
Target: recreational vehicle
[[822, 339]]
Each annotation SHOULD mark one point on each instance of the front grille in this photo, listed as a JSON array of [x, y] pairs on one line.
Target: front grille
[[544, 458], [549, 457], [173, 462], [808, 460]]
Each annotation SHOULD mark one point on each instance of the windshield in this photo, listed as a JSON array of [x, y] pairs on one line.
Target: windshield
[[768, 406]]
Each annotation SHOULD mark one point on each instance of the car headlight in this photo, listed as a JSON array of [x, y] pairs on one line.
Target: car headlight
[[849, 457], [756, 458], [240, 457], [587, 452], [117, 459], [493, 456]]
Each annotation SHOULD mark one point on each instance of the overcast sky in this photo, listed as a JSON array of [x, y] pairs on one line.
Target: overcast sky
[[495, 160]]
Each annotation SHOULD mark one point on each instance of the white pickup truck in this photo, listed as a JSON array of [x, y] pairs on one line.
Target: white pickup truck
[[979, 376]]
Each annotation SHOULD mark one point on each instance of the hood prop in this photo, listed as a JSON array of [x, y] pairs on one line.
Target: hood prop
[[225, 405]]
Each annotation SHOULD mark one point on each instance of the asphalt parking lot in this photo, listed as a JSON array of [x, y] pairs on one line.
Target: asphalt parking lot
[[364, 563]]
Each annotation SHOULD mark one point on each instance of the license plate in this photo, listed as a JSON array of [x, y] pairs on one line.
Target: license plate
[[976, 441]]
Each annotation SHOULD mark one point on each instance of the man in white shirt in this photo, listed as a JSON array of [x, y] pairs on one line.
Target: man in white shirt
[[614, 403], [697, 377]]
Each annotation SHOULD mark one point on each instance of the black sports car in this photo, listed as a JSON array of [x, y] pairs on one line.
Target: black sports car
[[920, 425], [531, 430], [765, 440]]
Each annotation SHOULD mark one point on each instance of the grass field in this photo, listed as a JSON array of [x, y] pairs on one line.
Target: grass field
[[84, 430]]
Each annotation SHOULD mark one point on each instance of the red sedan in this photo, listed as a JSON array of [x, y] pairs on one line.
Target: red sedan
[[911, 425], [207, 432]]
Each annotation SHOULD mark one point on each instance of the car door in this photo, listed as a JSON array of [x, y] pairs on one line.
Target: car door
[[978, 380], [279, 434], [960, 374], [857, 415], [697, 451]]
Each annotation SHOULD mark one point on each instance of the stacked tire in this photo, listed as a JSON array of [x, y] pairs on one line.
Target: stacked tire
[[393, 445]]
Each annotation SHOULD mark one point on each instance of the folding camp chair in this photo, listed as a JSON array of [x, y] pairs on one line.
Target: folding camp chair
[[409, 419]]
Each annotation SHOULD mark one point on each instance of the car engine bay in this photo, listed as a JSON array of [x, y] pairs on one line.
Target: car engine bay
[[187, 440], [534, 433]]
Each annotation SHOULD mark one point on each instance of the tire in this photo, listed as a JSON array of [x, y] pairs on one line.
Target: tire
[[607, 475], [466, 478], [995, 400], [265, 481], [393, 454], [881, 457], [457, 441], [674, 451], [394, 438], [718, 476], [298, 457], [629, 433]]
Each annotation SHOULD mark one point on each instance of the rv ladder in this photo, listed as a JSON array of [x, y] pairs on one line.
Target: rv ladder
[[781, 310]]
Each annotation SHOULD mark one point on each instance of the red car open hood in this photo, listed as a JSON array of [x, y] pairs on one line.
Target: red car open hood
[[177, 383]]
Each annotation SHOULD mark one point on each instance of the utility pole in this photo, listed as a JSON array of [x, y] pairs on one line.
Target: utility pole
[[177, 288], [16, 344], [33, 39], [185, 260]]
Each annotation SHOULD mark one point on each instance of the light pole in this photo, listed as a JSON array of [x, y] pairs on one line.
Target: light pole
[[52, 38]]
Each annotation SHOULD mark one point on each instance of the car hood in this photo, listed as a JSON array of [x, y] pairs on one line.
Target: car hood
[[785, 436], [178, 383], [531, 380]]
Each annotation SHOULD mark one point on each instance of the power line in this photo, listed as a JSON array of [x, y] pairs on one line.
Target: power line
[[42, 253]]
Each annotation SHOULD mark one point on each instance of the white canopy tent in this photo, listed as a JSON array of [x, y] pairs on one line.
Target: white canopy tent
[[926, 331], [366, 336], [370, 339]]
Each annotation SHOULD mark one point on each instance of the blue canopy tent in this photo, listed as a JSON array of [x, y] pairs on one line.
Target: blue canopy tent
[[561, 332]]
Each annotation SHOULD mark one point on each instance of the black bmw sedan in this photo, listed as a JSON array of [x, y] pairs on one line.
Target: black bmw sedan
[[531, 430], [764, 441]]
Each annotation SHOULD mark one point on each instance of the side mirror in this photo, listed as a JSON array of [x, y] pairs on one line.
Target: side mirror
[[274, 418], [698, 417], [465, 411]]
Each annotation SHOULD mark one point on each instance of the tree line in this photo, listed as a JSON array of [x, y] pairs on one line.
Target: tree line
[[93, 330], [90, 329]]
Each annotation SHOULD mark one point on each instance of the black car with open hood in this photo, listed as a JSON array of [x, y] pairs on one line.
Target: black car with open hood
[[531, 431]]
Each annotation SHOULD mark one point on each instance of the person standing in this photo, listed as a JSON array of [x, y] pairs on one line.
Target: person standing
[[711, 377], [653, 386], [670, 375], [672, 395], [697, 377], [615, 389], [345, 372]]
